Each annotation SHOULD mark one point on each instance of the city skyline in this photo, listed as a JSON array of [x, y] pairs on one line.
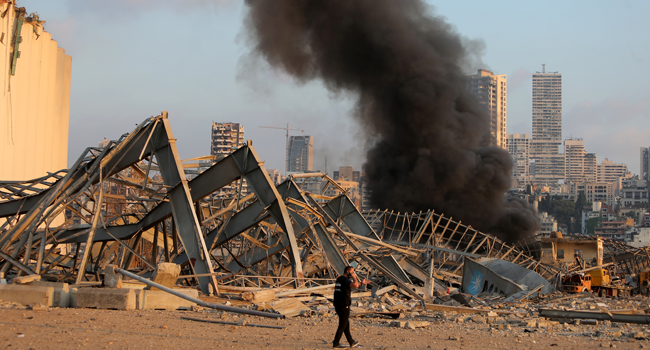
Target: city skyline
[[216, 82]]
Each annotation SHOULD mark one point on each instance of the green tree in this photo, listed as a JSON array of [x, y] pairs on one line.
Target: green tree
[[592, 224], [580, 204]]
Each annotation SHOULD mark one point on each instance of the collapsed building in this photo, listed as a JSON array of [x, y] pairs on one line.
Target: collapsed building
[[129, 204]]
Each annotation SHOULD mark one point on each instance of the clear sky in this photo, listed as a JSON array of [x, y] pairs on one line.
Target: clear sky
[[132, 59]]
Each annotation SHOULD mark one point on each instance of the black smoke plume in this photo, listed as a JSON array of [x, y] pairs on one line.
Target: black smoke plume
[[424, 129]]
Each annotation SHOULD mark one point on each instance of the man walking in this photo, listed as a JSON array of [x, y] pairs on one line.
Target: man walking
[[342, 301]]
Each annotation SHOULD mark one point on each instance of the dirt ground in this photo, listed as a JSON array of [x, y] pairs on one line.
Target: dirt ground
[[108, 329]]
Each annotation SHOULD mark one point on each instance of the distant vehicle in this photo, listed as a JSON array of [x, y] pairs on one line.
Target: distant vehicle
[[576, 283], [603, 285], [597, 281]]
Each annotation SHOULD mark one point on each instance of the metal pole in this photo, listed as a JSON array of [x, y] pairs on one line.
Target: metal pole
[[197, 301]]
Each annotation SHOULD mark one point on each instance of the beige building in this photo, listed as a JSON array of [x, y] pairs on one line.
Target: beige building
[[574, 160], [608, 171], [518, 146], [491, 92], [226, 138], [596, 191], [556, 250], [548, 164], [35, 97]]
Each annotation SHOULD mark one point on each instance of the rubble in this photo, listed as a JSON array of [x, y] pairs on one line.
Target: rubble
[[275, 251]]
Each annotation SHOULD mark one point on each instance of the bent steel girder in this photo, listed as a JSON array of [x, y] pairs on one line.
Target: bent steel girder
[[342, 208], [82, 175], [257, 254], [185, 219], [17, 197]]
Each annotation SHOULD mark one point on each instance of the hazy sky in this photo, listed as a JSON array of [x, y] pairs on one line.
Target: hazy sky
[[132, 59]]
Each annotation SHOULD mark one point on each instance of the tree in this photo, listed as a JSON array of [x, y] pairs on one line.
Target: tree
[[580, 204]]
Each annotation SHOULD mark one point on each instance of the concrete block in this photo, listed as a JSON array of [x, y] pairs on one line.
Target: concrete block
[[73, 297], [27, 295], [27, 279], [111, 278], [106, 298], [61, 292], [160, 300], [261, 296], [417, 324], [166, 274]]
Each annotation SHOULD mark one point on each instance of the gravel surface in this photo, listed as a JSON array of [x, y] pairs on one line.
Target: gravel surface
[[56, 328]]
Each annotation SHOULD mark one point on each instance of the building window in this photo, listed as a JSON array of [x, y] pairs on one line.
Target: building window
[[560, 253]]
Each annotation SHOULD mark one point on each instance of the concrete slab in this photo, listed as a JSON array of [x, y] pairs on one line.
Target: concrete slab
[[27, 279], [106, 298], [159, 300], [27, 295], [61, 292]]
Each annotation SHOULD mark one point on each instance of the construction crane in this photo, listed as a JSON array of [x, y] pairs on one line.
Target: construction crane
[[286, 155]]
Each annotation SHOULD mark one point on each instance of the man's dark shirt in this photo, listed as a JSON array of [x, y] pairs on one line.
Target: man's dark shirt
[[342, 291]]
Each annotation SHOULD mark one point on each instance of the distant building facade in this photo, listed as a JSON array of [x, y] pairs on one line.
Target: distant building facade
[[300, 156], [491, 92], [226, 138], [347, 173], [548, 164], [518, 146], [644, 165], [634, 191], [574, 160]]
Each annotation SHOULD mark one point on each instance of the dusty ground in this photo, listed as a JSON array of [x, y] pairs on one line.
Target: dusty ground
[[107, 329]]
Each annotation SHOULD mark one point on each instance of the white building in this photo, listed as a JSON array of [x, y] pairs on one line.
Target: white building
[[491, 93], [633, 191], [547, 128], [574, 160], [518, 146]]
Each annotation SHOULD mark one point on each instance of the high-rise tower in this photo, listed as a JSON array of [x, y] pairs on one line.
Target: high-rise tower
[[301, 154], [490, 91], [547, 128]]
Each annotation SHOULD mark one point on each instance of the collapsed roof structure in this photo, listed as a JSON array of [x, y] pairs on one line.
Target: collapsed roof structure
[[130, 204]]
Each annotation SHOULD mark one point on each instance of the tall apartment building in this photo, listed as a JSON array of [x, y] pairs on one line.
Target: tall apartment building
[[574, 160], [227, 138], [591, 163], [547, 128], [644, 165], [491, 92], [518, 146], [300, 156]]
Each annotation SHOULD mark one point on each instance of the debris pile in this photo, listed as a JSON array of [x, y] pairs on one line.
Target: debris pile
[[122, 229]]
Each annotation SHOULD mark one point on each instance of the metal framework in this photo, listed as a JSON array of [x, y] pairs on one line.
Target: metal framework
[[131, 204]]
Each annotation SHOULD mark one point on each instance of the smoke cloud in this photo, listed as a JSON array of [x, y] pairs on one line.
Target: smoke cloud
[[424, 130]]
